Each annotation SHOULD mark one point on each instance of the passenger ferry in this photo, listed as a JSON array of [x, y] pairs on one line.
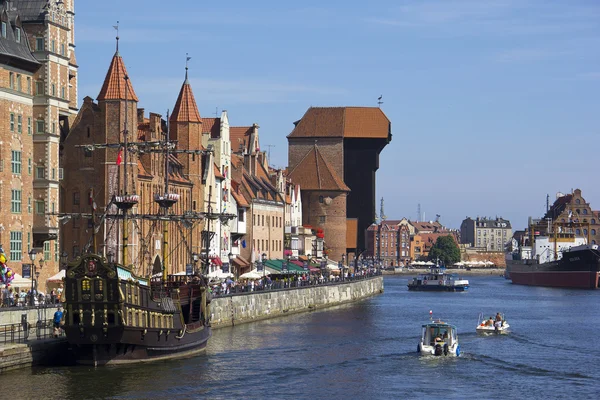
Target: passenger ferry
[[438, 280]]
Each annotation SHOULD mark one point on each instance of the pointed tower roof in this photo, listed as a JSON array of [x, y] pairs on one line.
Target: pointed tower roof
[[315, 173], [185, 109], [114, 84]]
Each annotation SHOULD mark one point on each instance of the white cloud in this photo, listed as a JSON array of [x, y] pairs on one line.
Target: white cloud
[[233, 91]]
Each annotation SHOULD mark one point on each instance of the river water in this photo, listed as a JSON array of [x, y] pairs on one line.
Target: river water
[[368, 350]]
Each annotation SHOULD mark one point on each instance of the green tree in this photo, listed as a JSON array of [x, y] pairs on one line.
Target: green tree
[[446, 249]]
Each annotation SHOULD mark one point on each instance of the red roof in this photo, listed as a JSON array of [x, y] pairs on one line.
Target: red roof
[[239, 135], [212, 126], [115, 84], [313, 172], [185, 109], [347, 122]]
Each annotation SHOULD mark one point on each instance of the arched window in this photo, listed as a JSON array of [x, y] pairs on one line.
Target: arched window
[[584, 211], [593, 232], [585, 232], [593, 242], [562, 220], [593, 221], [578, 211], [578, 231], [577, 201]]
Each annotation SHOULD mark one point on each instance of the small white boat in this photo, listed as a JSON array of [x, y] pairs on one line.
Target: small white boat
[[439, 338], [497, 324]]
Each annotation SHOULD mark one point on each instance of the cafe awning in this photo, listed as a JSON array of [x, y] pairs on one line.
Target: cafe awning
[[240, 261], [277, 267]]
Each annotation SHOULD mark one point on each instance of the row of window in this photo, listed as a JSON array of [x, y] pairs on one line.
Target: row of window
[[16, 203], [16, 124], [585, 232], [15, 82], [259, 220], [263, 245], [16, 247], [4, 31], [40, 46]]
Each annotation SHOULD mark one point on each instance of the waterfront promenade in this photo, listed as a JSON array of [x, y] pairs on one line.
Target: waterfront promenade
[[26, 333]]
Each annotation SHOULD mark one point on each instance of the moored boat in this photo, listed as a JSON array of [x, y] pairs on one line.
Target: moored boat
[[439, 338], [557, 259], [438, 280]]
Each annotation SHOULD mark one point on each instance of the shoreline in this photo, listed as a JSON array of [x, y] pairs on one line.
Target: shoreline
[[460, 272]]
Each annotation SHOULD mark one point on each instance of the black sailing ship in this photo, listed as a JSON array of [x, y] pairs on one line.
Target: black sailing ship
[[113, 316]]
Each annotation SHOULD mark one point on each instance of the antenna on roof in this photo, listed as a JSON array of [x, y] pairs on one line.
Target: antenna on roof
[[117, 29], [418, 212], [379, 102], [216, 112], [269, 151]]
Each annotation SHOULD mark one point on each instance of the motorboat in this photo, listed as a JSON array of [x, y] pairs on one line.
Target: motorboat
[[437, 280], [439, 338], [497, 324]]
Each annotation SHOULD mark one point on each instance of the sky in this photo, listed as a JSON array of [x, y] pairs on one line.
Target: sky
[[493, 104]]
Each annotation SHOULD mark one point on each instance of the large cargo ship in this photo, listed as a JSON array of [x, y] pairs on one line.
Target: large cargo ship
[[561, 259]]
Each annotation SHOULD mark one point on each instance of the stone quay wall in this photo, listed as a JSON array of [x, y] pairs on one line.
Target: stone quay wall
[[243, 308]]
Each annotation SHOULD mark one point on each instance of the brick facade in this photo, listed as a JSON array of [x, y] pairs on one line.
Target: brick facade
[[42, 98]]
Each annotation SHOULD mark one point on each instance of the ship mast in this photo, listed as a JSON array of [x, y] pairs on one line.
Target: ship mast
[[165, 202], [125, 201]]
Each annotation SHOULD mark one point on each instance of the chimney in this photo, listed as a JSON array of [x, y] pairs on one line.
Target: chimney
[[140, 115]]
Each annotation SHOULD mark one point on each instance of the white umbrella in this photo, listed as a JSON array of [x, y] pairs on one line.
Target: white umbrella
[[489, 263], [251, 275], [429, 263], [219, 274], [57, 277], [20, 282]]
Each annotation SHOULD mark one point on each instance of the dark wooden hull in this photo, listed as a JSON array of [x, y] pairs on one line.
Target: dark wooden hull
[[131, 348], [114, 317]]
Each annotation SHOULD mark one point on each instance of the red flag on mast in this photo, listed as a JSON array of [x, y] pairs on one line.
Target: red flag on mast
[[119, 159]]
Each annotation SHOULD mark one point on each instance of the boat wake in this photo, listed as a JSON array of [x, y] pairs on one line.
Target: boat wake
[[524, 368]]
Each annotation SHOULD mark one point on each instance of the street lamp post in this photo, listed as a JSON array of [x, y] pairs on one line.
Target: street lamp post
[[63, 259], [230, 258], [32, 254], [264, 265]]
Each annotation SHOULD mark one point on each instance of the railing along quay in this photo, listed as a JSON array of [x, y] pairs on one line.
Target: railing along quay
[[27, 331], [290, 284]]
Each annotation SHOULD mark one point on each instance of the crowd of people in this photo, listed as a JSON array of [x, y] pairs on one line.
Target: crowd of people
[[13, 297], [275, 282]]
